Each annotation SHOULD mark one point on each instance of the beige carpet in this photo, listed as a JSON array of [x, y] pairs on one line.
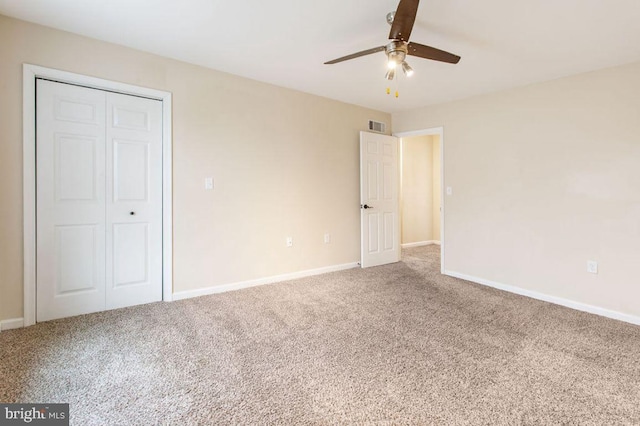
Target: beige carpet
[[398, 344]]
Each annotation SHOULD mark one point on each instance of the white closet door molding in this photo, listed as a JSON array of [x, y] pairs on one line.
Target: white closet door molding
[[30, 75]]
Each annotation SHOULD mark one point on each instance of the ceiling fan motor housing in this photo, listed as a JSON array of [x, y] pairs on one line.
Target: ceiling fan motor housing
[[396, 51]]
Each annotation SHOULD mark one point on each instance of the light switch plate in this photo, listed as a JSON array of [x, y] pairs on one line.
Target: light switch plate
[[449, 190]]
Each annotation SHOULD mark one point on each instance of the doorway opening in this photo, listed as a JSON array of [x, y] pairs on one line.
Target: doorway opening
[[421, 189]]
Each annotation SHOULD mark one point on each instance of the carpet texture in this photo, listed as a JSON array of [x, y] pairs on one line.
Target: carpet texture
[[397, 344]]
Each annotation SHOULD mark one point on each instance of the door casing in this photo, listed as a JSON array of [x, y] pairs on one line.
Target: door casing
[[30, 74]]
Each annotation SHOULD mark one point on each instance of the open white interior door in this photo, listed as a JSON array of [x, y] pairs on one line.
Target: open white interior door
[[379, 204]]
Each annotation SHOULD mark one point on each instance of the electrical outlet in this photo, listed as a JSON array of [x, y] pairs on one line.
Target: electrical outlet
[[592, 266], [327, 238], [208, 183], [289, 242]]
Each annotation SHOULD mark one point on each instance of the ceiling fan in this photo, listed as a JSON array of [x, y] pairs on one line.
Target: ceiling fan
[[399, 47]]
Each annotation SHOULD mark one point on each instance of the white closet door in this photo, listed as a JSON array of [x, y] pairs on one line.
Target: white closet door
[[99, 200], [70, 158], [134, 200]]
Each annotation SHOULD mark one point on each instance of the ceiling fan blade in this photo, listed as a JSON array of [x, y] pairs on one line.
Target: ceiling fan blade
[[356, 55], [428, 52], [403, 21]]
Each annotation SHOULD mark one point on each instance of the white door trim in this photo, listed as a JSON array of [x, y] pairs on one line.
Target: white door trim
[[440, 132], [30, 73]]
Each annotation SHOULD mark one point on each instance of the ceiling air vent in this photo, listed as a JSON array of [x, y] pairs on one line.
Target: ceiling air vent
[[377, 126]]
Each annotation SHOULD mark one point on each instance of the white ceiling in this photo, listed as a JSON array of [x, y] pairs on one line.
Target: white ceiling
[[503, 43]]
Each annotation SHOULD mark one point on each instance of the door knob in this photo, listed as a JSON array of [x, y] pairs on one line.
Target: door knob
[[366, 207], [132, 213]]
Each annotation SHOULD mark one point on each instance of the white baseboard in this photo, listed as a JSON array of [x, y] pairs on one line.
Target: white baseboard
[[261, 281], [551, 299], [12, 323], [420, 243]]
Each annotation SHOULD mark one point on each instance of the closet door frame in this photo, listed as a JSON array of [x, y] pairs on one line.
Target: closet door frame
[[30, 74]]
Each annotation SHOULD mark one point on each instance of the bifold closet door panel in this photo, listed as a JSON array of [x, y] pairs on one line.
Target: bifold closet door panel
[[71, 204], [134, 200]]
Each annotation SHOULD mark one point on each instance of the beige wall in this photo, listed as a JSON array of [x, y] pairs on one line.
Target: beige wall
[[417, 189], [284, 163], [544, 178], [420, 200]]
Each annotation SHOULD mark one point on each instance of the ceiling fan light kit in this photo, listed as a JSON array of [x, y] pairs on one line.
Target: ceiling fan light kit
[[399, 47], [396, 53], [391, 73], [406, 69]]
